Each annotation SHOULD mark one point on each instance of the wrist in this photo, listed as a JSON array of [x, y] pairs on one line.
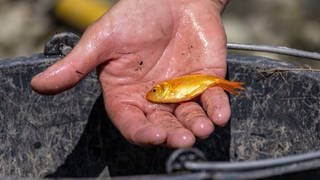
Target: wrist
[[220, 4]]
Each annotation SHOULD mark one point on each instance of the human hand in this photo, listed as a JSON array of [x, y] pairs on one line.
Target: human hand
[[139, 43]]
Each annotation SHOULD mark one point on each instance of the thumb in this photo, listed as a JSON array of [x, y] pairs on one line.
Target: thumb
[[92, 49]]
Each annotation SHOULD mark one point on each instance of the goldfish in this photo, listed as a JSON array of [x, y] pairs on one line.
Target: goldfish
[[187, 87]]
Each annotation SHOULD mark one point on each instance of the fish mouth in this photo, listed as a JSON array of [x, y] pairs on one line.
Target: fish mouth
[[149, 96]]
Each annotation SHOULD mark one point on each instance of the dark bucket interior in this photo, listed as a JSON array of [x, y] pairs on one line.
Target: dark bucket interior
[[70, 135]]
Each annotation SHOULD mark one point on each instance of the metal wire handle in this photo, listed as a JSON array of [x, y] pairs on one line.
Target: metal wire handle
[[275, 49], [180, 161], [250, 165]]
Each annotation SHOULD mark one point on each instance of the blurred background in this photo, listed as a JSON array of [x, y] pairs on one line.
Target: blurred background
[[27, 24]]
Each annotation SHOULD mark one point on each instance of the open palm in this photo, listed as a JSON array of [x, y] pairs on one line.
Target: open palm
[[139, 43]]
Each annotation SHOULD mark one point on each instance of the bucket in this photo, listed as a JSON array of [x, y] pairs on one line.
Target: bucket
[[274, 130]]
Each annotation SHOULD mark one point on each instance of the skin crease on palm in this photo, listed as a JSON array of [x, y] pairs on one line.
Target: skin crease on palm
[[139, 43]]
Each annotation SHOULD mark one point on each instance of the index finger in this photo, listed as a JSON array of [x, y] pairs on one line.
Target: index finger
[[134, 126]]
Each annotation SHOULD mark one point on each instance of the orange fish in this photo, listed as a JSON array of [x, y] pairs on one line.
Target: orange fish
[[187, 87]]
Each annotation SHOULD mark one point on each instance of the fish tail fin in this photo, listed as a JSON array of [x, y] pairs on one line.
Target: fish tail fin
[[231, 86]]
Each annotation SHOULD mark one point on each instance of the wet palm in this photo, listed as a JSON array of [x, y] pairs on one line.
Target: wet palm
[[139, 43]]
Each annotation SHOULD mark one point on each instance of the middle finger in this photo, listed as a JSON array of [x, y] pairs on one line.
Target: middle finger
[[192, 116]]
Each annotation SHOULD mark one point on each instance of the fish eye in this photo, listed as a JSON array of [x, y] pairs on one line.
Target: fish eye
[[154, 90]]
